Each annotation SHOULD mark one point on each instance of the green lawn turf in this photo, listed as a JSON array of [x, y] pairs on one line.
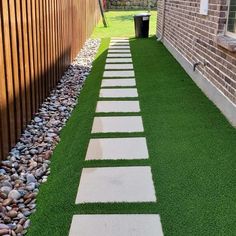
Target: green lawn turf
[[192, 151], [121, 24]]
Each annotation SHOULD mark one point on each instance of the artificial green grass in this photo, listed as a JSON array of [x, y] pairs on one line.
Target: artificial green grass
[[192, 151], [192, 147], [121, 24]]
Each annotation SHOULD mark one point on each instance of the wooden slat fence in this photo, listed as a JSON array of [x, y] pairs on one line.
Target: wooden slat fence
[[38, 40]]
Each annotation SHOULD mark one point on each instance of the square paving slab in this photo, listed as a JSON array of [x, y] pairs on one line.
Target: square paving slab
[[116, 225], [119, 93], [118, 51], [118, 73], [119, 47], [119, 67], [117, 149], [118, 106], [116, 184], [119, 44], [118, 82], [117, 55], [120, 40], [117, 124], [119, 60]]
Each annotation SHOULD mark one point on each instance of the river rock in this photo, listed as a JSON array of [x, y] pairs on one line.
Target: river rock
[[31, 179], [7, 201], [14, 194], [12, 214]]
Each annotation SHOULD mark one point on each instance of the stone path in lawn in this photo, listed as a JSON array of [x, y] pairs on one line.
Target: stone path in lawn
[[130, 184]]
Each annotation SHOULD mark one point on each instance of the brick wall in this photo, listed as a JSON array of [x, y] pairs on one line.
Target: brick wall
[[194, 37], [131, 4]]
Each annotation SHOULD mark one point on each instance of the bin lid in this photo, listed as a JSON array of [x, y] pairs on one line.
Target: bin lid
[[142, 14]]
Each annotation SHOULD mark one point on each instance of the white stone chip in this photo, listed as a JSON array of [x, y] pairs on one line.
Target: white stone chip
[[118, 73], [119, 67], [118, 124], [118, 82], [117, 149], [118, 51], [116, 184], [116, 225], [118, 106], [117, 55], [119, 93], [119, 60]]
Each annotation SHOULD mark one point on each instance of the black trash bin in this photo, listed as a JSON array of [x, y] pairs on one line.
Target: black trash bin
[[141, 22]]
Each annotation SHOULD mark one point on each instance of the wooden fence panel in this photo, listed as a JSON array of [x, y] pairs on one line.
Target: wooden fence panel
[[38, 40]]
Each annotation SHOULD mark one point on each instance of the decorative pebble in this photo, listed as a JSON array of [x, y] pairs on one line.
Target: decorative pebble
[[19, 229], [27, 224], [4, 231], [31, 179], [7, 201], [12, 214], [3, 226], [14, 194]]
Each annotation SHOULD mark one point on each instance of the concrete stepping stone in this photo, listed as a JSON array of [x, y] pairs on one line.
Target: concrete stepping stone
[[117, 149], [118, 51], [117, 55], [119, 44], [120, 40], [118, 73], [118, 82], [118, 124], [119, 47], [119, 93], [119, 60], [118, 106], [116, 184], [119, 67], [116, 225]]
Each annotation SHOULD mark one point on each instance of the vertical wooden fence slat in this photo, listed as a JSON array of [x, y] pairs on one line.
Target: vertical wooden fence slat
[[4, 121], [38, 40], [21, 64], [56, 41], [15, 68], [60, 36], [49, 44], [48, 82], [9, 72], [35, 53], [38, 47], [45, 41], [28, 87], [54, 44], [42, 48], [31, 56]]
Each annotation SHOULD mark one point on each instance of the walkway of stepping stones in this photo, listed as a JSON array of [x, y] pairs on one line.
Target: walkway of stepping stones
[[131, 184]]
